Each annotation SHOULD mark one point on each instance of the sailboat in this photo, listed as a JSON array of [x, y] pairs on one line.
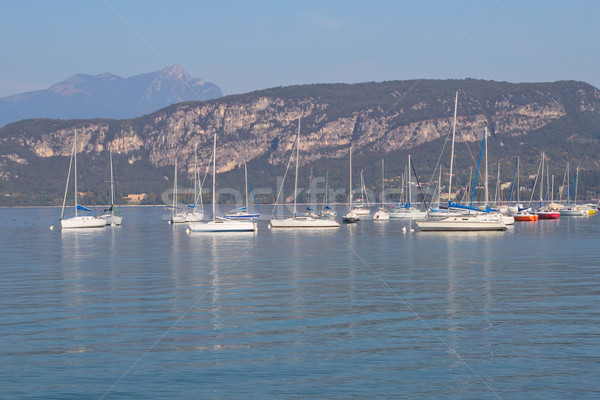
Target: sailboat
[[522, 214], [382, 214], [467, 222], [243, 212], [301, 221], [572, 210], [219, 224], [77, 221], [544, 212], [407, 211], [326, 210], [356, 211], [193, 213], [112, 215]]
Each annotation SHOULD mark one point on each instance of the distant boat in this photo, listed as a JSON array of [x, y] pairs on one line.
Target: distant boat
[[219, 224], [355, 211], [301, 221], [192, 214], [242, 212], [326, 210], [571, 210], [525, 216], [407, 211], [77, 221], [112, 215], [544, 212], [382, 214]]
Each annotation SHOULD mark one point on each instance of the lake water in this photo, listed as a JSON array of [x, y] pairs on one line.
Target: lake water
[[146, 310]]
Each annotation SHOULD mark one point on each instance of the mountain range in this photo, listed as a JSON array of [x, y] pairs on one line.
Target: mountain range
[[380, 120], [108, 96]]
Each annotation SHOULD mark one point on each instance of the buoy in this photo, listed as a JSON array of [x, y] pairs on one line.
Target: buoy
[[187, 230], [404, 230], [169, 222], [51, 227]]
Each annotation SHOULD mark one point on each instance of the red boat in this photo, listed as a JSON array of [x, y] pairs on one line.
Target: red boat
[[548, 214]]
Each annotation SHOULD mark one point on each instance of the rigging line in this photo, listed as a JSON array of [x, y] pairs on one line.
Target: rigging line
[[284, 176], [67, 185], [535, 183], [437, 164]]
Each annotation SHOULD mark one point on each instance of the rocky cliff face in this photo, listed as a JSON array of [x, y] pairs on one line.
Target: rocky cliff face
[[263, 125]]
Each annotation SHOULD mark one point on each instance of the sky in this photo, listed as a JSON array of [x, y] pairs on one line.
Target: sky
[[243, 46]]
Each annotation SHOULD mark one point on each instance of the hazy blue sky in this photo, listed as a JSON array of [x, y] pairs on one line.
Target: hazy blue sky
[[246, 45]]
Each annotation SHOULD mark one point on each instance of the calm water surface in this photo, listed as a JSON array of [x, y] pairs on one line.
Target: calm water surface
[[146, 310]]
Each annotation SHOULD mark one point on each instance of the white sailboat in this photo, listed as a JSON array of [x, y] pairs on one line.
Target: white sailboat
[[326, 210], [112, 215], [193, 212], [356, 211], [407, 211], [301, 221], [382, 214], [466, 222], [572, 210], [243, 213], [219, 224], [77, 221]]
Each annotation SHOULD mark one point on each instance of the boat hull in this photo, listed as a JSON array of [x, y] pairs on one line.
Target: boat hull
[[408, 214], [548, 215], [223, 226], [453, 224], [183, 218], [303, 222], [571, 212], [381, 216], [80, 222], [242, 216], [526, 218], [112, 219]]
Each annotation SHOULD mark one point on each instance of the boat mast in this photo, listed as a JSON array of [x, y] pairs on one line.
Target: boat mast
[[112, 188], [409, 184], [75, 170], [382, 180], [214, 199], [246, 181], [62, 211], [552, 190], [498, 187], [195, 175], [542, 181], [575, 183], [297, 155], [518, 184], [486, 167], [350, 202], [175, 189], [452, 150]]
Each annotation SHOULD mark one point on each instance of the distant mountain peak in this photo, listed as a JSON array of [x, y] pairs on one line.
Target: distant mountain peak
[[175, 71], [107, 95]]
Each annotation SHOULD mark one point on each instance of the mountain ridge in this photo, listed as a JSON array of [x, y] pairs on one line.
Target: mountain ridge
[[107, 95], [384, 119]]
